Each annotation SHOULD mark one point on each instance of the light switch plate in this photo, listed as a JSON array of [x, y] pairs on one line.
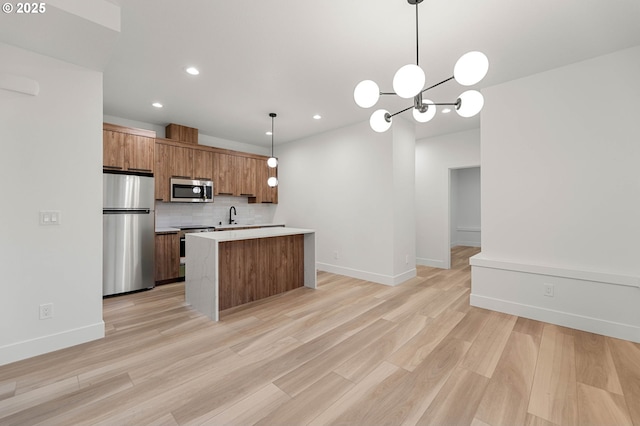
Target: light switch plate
[[50, 217]]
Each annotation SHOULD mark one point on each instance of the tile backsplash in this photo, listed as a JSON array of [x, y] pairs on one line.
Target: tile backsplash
[[209, 214]]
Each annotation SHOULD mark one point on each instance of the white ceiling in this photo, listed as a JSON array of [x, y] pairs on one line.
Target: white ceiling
[[300, 58]]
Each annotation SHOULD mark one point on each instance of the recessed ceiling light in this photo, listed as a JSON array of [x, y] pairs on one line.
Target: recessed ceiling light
[[317, 117], [192, 70], [268, 133], [446, 110], [157, 105]]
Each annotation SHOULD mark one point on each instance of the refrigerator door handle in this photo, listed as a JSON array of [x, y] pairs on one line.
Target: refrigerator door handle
[[128, 211]]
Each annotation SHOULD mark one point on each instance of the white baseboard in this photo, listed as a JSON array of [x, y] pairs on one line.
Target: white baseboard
[[368, 276], [565, 319], [466, 244], [434, 263], [53, 342], [592, 301]]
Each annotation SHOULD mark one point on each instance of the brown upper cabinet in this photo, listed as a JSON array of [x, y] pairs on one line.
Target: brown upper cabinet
[[181, 162], [248, 175], [163, 172], [202, 164], [175, 161], [235, 175], [127, 149], [265, 193], [225, 167], [181, 133]]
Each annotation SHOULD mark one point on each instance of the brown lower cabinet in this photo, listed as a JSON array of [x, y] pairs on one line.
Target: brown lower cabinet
[[167, 257], [255, 269]]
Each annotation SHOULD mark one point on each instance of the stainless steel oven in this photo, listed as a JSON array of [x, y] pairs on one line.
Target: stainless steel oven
[[183, 231], [191, 191]]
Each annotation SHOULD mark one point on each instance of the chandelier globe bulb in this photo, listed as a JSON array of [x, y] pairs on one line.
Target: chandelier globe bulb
[[471, 68], [428, 114], [366, 93], [471, 102], [408, 81], [380, 121]]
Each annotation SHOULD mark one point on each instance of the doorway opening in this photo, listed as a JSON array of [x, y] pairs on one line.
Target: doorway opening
[[464, 208]]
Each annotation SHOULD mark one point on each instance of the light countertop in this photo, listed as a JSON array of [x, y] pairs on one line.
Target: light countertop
[[249, 234], [166, 230], [244, 225]]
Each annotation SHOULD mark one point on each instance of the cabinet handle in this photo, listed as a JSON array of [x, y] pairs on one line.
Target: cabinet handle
[[247, 195], [181, 177], [112, 167], [140, 170], [225, 193]]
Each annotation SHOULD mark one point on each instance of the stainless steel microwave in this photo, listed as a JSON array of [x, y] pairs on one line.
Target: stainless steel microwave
[[191, 191]]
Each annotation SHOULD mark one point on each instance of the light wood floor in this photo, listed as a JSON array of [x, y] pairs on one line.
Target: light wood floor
[[349, 353]]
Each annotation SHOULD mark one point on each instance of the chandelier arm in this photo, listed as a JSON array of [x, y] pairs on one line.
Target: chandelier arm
[[388, 93], [443, 103], [437, 84], [456, 104], [400, 112]]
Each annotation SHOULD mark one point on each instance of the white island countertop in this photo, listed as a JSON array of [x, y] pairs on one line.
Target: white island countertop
[[247, 225], [248, 234]]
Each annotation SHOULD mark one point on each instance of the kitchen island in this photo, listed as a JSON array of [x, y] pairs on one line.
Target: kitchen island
[[230, 268]]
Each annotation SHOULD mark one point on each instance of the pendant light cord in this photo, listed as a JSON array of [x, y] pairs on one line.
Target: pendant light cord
[[417, 40], [272, 136]]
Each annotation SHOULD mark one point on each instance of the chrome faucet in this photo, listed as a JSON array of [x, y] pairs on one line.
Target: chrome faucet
[[232, 208]]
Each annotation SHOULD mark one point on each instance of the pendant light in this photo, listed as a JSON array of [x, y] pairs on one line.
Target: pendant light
[[272, 162], [409, 80]]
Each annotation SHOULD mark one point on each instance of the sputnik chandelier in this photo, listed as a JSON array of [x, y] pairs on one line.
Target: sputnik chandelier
[[409, 81]]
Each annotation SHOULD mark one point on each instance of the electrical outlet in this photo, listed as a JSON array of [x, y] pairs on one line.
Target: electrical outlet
[[335, 254], [548, 290], [406, 259], [46, 311]]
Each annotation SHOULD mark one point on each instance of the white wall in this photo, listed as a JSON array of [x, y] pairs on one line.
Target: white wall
[[435, 157], [403, 201], [560, 204], [51, 160], [349, 185], [465, 207]]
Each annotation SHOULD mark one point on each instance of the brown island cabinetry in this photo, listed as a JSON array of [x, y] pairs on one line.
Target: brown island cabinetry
[[257, 268], [231, 268]]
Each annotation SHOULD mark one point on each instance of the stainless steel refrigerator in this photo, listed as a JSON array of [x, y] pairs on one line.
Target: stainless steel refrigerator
[[128, 233]]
